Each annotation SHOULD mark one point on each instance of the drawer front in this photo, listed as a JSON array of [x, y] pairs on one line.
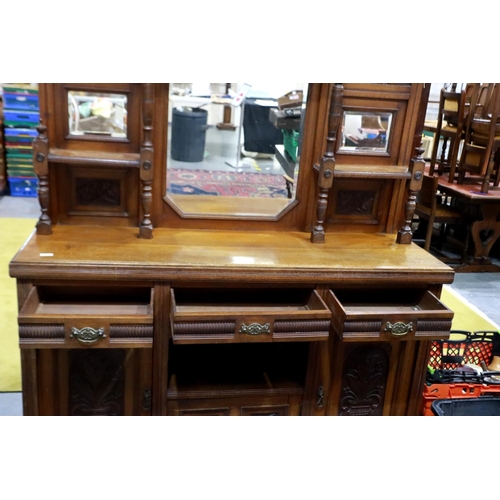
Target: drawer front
[[425, 318], [84, 333], [232, 324], [51, 318], [250, 329], [237, 406]]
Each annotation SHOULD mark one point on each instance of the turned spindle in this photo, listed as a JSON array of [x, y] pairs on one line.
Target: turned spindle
[[327, 164], [146, 162], [41, 167], [417, 168]]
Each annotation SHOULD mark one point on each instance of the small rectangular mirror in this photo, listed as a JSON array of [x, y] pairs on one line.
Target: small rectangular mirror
[[365, 132], [96, 113]]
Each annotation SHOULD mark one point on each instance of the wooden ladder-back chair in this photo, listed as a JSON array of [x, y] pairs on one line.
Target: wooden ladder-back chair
[[481, 152], [430, 208], [450, 125]]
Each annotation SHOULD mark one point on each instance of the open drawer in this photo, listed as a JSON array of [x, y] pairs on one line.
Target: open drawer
[[87, 316], [388, 315], [248, 315]]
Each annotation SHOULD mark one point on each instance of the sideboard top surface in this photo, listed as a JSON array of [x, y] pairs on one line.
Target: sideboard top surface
[[93, 252]]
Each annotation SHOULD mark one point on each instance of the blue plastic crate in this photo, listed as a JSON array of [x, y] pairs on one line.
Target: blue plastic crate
[[23, 186], [20, 101], [20, 132], [18, 118]]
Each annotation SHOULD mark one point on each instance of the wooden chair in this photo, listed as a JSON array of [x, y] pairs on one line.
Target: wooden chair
[[481, 152], [450, 125], [431, 209]]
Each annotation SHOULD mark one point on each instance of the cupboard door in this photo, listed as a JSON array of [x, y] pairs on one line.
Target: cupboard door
[[377, 378], [364, 380], [94, 382]]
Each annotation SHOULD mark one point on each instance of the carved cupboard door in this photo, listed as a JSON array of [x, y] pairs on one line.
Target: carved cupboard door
[[377, 378], [94, 382]]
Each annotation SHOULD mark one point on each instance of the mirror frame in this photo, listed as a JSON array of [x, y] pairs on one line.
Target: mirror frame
[[292, 217], [97, 135], [370, 151]]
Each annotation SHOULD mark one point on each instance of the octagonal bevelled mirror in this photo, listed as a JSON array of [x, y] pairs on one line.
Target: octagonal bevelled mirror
[[234, 149]]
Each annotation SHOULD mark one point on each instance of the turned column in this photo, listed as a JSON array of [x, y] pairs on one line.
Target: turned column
[[327, 164], [146, 161], [417, 168], [41, 167]]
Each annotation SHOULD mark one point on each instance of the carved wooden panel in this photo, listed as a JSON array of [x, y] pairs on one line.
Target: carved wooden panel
[[97, 192], [96, 382], [434, 325], [205, 328], [41, 332], [364, 380], [350, 202], [287, 326], [131, 331], [104, 192], [360, 201]]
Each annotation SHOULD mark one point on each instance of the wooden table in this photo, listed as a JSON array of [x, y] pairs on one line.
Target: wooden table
[[484, 210]]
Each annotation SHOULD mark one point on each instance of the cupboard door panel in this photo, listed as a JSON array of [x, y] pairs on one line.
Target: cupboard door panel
[[100, 382]]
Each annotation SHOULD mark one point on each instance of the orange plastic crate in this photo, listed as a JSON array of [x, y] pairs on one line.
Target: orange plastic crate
[[450, 354]]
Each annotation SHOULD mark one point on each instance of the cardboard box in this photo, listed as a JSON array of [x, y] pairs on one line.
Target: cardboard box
[[281, 120], [292, 99]]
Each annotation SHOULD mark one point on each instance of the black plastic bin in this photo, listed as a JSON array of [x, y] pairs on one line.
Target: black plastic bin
[[472, 407], [189, 130]]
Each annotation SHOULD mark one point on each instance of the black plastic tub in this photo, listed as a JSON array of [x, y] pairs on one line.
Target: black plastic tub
[[189, 128], [472, 407]]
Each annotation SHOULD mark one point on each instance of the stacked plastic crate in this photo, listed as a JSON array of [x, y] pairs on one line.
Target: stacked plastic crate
[[450, 375], [21, 116], [3, 178]]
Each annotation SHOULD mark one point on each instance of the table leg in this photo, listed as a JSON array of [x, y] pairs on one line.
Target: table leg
[[484, 234]]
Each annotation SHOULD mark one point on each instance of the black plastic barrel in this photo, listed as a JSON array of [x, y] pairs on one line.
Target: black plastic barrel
[[189, 129]]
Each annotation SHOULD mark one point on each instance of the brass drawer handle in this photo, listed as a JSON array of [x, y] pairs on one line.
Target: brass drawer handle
[[87, 335], [399, 328], [255, 328]]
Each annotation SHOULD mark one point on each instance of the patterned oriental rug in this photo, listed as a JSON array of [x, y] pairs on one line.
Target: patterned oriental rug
[[215, 183]]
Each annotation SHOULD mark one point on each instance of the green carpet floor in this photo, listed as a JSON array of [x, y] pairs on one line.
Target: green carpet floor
[[14, 232]]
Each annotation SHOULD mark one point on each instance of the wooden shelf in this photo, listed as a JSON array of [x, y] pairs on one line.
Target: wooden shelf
[[370, 171], [90, 158]]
